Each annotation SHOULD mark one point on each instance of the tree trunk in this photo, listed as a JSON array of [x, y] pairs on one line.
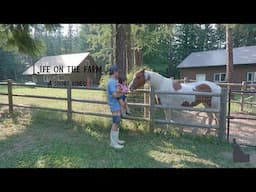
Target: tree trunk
[[121, 49], [138, 59], [128, 48], [113, 36], [229, 49]]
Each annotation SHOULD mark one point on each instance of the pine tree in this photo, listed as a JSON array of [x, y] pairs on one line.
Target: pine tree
[[121, 48], [19, 37]]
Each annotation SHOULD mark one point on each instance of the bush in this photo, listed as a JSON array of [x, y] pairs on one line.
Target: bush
[[104, 80]]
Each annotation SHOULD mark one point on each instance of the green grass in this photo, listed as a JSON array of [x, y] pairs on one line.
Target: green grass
[[33, 138], [44, 139], [81, 94], [76, 106]]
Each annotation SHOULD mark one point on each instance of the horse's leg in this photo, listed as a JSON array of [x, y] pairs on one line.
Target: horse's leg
[[195, 129], [210, 120], [211, 117], [216, 117], [180, 117]]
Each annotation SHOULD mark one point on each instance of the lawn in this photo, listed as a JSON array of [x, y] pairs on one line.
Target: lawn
[[44, 139], [36, 138], [59, 104]]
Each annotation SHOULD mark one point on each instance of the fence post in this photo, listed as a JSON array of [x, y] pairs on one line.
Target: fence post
[[69, 101], [223, 114], [146, 101], [243, 88], [151, 109], [10, 101]]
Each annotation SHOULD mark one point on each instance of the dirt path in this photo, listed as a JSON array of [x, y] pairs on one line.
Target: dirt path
[[242, 129]]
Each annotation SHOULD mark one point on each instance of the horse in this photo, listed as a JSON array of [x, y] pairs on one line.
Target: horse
[[161, 83]]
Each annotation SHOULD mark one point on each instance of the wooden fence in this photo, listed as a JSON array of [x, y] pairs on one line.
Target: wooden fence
[[149, 107]]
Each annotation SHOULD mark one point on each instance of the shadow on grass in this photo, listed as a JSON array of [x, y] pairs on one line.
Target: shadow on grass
[[45, 139]]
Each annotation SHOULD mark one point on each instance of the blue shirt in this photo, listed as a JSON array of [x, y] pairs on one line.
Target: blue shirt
[[112, 101]]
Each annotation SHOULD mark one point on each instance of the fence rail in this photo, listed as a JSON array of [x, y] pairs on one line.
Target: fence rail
[[188, 109], [150, 106]]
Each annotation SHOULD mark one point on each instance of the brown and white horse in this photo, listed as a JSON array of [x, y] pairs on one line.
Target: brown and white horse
[[160, 83]]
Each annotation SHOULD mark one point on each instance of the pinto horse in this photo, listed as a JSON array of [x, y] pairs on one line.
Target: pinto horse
[[160, 83]]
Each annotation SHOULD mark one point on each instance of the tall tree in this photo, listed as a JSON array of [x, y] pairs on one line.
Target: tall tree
[[121, 48], [244, 34], [229, 49], [10, 65], [68, 43], [98, 39], [19, 37], [128, 48], [154, 42], [219, 36], [84, 32], [112, 41]]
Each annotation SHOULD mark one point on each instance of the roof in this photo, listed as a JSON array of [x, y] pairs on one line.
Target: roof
[[58, 60], [241, 55]]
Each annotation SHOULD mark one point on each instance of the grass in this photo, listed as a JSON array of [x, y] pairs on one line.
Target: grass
[[81, 94], [76, 106], [43, 139], [33, 138]]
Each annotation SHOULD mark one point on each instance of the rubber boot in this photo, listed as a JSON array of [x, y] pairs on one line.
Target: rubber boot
[[118, 140], [113, 140]]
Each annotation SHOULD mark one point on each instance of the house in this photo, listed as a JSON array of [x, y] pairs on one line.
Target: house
[[211, 65], [79, 68]]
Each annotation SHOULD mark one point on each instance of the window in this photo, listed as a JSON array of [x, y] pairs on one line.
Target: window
[[223, 77], [219, 77], [251, 77], [200, 77]]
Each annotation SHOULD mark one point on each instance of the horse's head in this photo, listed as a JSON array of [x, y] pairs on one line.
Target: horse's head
[[139, 79]]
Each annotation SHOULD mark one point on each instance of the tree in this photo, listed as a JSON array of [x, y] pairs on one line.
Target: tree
[[16, 40], [244, 34], [84, 31], [219, 36], [112, 41], [185, 40], [97, 37], [190, 38], [229, 49], [121, 48], [19, 37], [128, 48], [11, 65], [153, 40]]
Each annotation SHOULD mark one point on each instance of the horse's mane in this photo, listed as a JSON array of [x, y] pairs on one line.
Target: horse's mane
[[158, 74]]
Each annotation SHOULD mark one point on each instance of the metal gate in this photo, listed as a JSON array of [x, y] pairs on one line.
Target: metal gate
[[241, 117]]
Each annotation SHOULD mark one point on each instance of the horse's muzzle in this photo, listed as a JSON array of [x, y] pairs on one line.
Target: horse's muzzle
[[131, 89]]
